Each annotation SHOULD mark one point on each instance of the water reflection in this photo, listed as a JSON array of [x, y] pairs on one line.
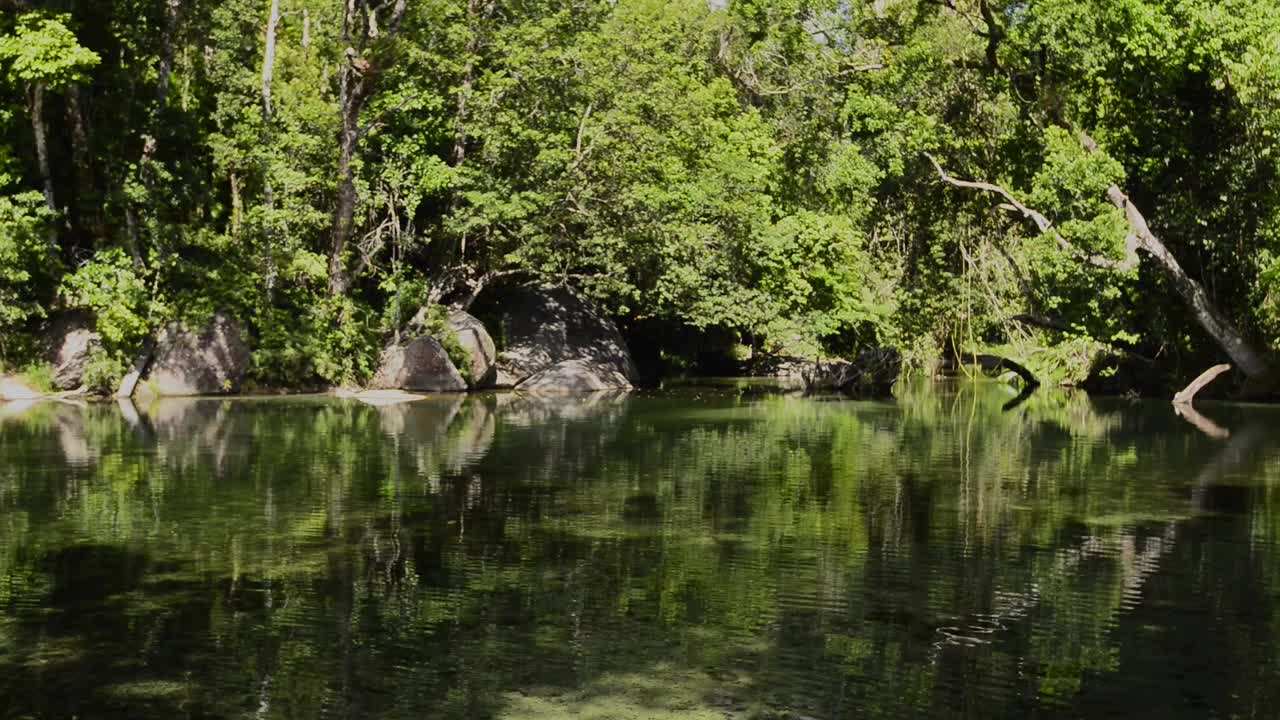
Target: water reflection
[[692, 554]]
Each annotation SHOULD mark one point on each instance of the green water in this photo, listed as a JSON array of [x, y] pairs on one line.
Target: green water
[[700, 553]]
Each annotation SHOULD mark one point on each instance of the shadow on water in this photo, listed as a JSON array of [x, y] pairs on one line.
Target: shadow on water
[[696, 553]]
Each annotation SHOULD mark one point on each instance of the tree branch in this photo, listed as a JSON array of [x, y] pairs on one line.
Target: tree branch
[[1043, 223], [377, 122], [1206, 313], [1188, 393]]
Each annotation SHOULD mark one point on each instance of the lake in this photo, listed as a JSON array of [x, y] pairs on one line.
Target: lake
[[699, 552]]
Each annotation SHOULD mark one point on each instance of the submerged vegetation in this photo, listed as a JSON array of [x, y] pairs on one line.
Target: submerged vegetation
[[807, 177]]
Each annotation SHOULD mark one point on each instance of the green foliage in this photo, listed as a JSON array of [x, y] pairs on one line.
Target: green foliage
[[435, 322], [103, 372], [333, 341], [42, 49], [116, 291], [37, 376], [754, 170], [26, 257]]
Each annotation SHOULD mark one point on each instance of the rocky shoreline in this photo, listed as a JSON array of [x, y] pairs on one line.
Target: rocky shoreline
[[553, 341]]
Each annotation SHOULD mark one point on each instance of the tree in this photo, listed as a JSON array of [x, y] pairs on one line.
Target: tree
[[369, 27], [42, 54]]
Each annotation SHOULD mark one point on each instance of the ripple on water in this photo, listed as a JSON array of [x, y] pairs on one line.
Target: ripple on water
[[665, 557]]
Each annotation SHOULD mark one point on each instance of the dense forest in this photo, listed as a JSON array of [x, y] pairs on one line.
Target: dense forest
[[1086, 185]]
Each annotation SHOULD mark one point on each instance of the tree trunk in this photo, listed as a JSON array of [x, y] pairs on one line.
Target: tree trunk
[[88, 209], [42, 143], [269, 59], [268, 72], [344, 218], [353, 90], [355, 85], [1214, 322], [165, 67], [237, 205], [474, 9]]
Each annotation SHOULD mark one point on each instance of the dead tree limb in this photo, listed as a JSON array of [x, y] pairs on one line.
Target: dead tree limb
[[995, 363], [1193, 294], [1188, 393], [140, 364], [1041, 321]]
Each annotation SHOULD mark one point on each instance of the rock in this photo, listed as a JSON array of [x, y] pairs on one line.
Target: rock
[[825, 374], [385, 398], [542, 327], [67, 342], [12, 388], [475, 339], [872, 374], [212, 361], [419, 365], [576, 376]]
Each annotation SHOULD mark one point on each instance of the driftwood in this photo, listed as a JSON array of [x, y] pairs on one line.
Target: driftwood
[[995, 363], [1188, 393], [1182, 404]]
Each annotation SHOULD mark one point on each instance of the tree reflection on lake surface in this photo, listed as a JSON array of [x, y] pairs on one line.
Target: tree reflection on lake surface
[[699, 553]]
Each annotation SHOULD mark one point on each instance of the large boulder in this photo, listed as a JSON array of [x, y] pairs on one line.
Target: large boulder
[[576, 376], [475, 339], [872, 374], [543, 327], [67, 342], [419, 365], [209, 361], [824, 375]]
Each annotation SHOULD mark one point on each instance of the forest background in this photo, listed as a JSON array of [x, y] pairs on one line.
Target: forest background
[[1089, 186]]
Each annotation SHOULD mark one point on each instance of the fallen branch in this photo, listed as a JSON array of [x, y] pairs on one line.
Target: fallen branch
[[1214, 322], [1041, 321], [1189, 392], [994, 363]]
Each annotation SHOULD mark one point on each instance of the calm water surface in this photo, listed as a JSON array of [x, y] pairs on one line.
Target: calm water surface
[[698, 553]]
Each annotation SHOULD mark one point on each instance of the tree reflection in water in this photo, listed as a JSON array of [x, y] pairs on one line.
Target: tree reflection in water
[[681, 555]]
